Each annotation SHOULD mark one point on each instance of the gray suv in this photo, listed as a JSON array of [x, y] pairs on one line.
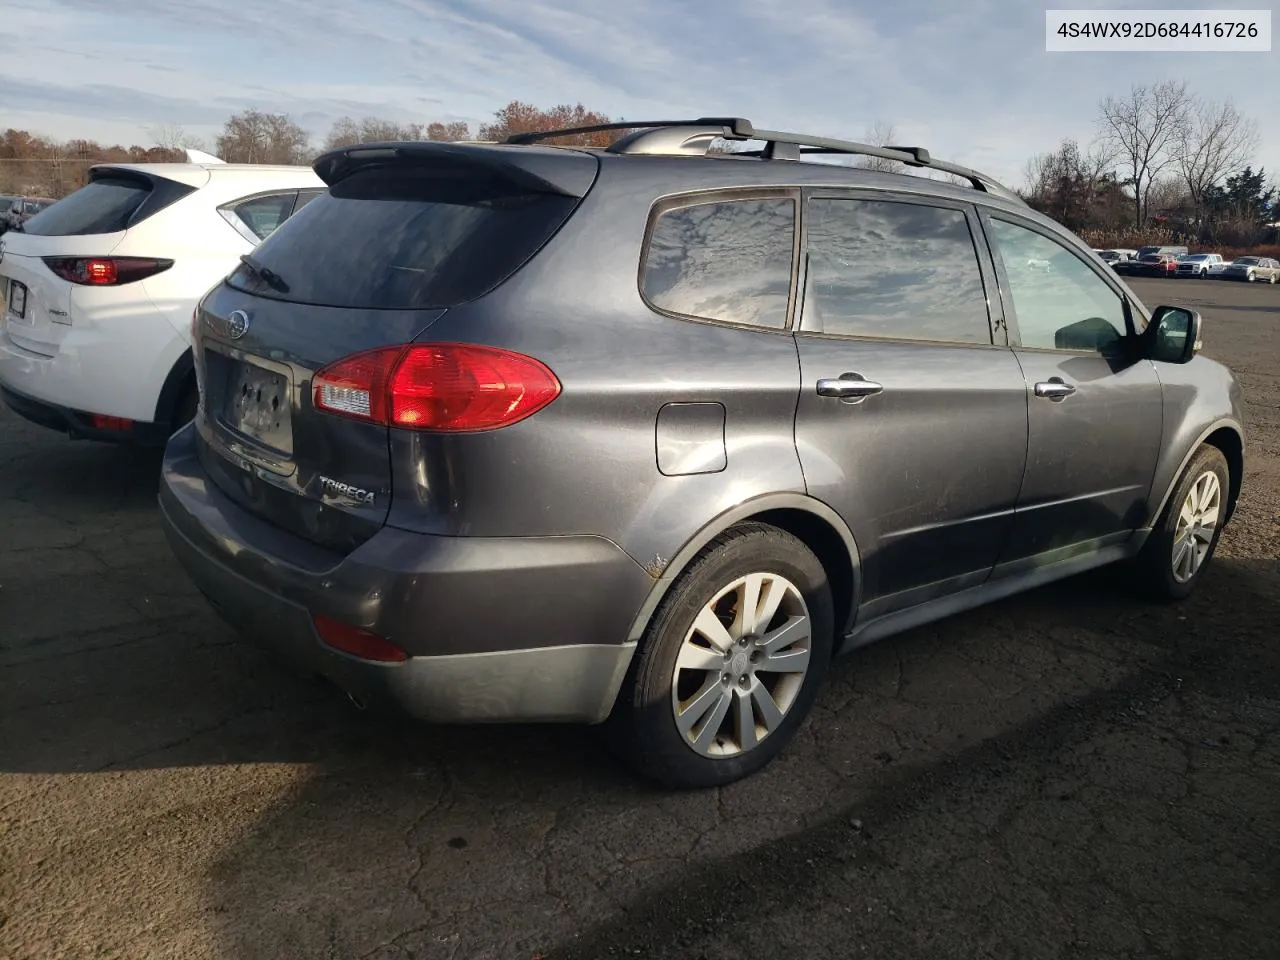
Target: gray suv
[[649, 434]]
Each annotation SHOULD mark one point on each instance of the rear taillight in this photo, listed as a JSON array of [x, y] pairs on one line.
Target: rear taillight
[[106, 271], [439, 386]]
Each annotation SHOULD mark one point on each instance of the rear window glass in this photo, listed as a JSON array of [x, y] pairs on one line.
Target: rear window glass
[[104, 206], [728, 261], [404, 238]]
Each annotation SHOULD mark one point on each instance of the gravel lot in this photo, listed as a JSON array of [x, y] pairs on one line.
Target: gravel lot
[[1067, 774]]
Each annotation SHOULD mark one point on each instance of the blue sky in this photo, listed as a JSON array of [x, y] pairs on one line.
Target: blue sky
[[970, 79]]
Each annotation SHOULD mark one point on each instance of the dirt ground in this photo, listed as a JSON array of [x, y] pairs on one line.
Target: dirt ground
[[1067, 774]]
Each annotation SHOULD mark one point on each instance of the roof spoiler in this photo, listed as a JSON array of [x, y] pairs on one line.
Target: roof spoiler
[[565, 172]]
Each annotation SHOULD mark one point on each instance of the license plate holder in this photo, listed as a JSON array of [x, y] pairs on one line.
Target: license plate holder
[[256, 405]]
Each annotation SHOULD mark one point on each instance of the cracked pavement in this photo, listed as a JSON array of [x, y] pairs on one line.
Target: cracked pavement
[[1067, 774]]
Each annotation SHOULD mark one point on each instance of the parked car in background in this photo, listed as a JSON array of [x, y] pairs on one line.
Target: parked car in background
[[1109, 256], [1155, 265], [1253, 270], [1171, 250], [1199, 265], [518, 432], [6, 204], [23, 209], [100, 289]]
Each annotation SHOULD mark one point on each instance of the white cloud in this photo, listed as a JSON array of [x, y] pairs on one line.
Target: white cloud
[[970, 81]]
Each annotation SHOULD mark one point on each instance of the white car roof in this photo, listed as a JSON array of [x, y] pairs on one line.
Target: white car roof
[[198, 174]]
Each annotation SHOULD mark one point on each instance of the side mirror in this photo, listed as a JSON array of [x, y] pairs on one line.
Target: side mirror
[[1173, 335]]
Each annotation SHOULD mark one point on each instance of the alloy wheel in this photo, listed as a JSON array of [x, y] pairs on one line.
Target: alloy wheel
[[1197, 524], [742, 665]]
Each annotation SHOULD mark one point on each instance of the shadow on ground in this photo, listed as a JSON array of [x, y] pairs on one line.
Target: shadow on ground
[[1070, 769]]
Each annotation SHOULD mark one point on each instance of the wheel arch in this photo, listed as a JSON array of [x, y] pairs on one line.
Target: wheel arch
[[811, 521], [181, 374], [1231, 443], [1227, 436]]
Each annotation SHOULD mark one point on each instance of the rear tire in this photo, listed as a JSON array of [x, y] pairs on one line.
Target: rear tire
[[1182, 543], [731, 663]]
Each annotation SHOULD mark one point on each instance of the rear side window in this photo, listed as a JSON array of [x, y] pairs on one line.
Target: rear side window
[[262, 215], [903, 271], [103, 206], [726, 260], [404, 238]]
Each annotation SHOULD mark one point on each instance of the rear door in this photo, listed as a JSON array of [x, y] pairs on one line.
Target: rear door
[[371, 264], [1095, 416], [912, 418]]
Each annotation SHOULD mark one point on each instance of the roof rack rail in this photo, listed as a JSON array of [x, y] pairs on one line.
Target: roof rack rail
[[696, 136], [733, 128]]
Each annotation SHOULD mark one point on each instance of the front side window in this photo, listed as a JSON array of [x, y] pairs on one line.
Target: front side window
[[907, 271], [1059, 302], [727, 260]]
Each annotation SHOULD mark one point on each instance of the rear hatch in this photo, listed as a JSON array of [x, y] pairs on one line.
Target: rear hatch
[[404, 233], [89, 224]]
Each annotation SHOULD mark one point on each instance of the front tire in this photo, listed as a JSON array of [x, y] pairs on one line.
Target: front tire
[[1183, 541], [731, 662]]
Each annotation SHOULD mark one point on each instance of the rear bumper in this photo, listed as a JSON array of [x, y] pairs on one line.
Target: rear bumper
[[79, 423], [498, 630]]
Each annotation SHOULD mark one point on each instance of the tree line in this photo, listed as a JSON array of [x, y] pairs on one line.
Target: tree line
[[1162, 159]]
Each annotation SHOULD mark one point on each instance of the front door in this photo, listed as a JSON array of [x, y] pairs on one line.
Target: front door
[[1095, 415], [912, 418]]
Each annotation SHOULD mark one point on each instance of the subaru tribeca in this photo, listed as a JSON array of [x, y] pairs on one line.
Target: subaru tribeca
[[648, 434]]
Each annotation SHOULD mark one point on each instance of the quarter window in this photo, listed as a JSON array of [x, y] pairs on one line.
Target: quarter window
[[725, 260], [904, 271], [1060, 303], [263, 214]]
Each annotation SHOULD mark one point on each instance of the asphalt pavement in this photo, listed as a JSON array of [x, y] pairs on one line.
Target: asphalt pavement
[[1071, 773]]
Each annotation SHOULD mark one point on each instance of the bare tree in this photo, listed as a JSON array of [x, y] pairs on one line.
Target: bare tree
[[1216, 140], [879, 134], [255, 137], [1071, 185], [455, 130], [347, 132], [172, 137], [1145, 129]]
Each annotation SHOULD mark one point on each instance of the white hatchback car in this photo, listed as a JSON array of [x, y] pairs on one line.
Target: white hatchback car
[[99, 290]]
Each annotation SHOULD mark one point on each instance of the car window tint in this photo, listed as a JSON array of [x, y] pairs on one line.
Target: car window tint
[[899, 270], [1060, 303], [305, 197], [106, 205], [725, 260], [404, 238], [263, 214]]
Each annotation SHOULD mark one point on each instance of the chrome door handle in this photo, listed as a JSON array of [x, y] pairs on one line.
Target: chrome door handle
[[849, 387], [1055, 389]]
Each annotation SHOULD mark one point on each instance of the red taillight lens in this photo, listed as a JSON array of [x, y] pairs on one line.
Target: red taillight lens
[[439, 386], [106, 271], [119, 424], [358, 642]]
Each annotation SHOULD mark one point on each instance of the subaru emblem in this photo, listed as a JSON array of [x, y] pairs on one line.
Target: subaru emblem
[[237, 324]]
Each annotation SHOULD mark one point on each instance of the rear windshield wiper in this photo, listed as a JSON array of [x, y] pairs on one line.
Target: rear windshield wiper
[[269, 276]]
